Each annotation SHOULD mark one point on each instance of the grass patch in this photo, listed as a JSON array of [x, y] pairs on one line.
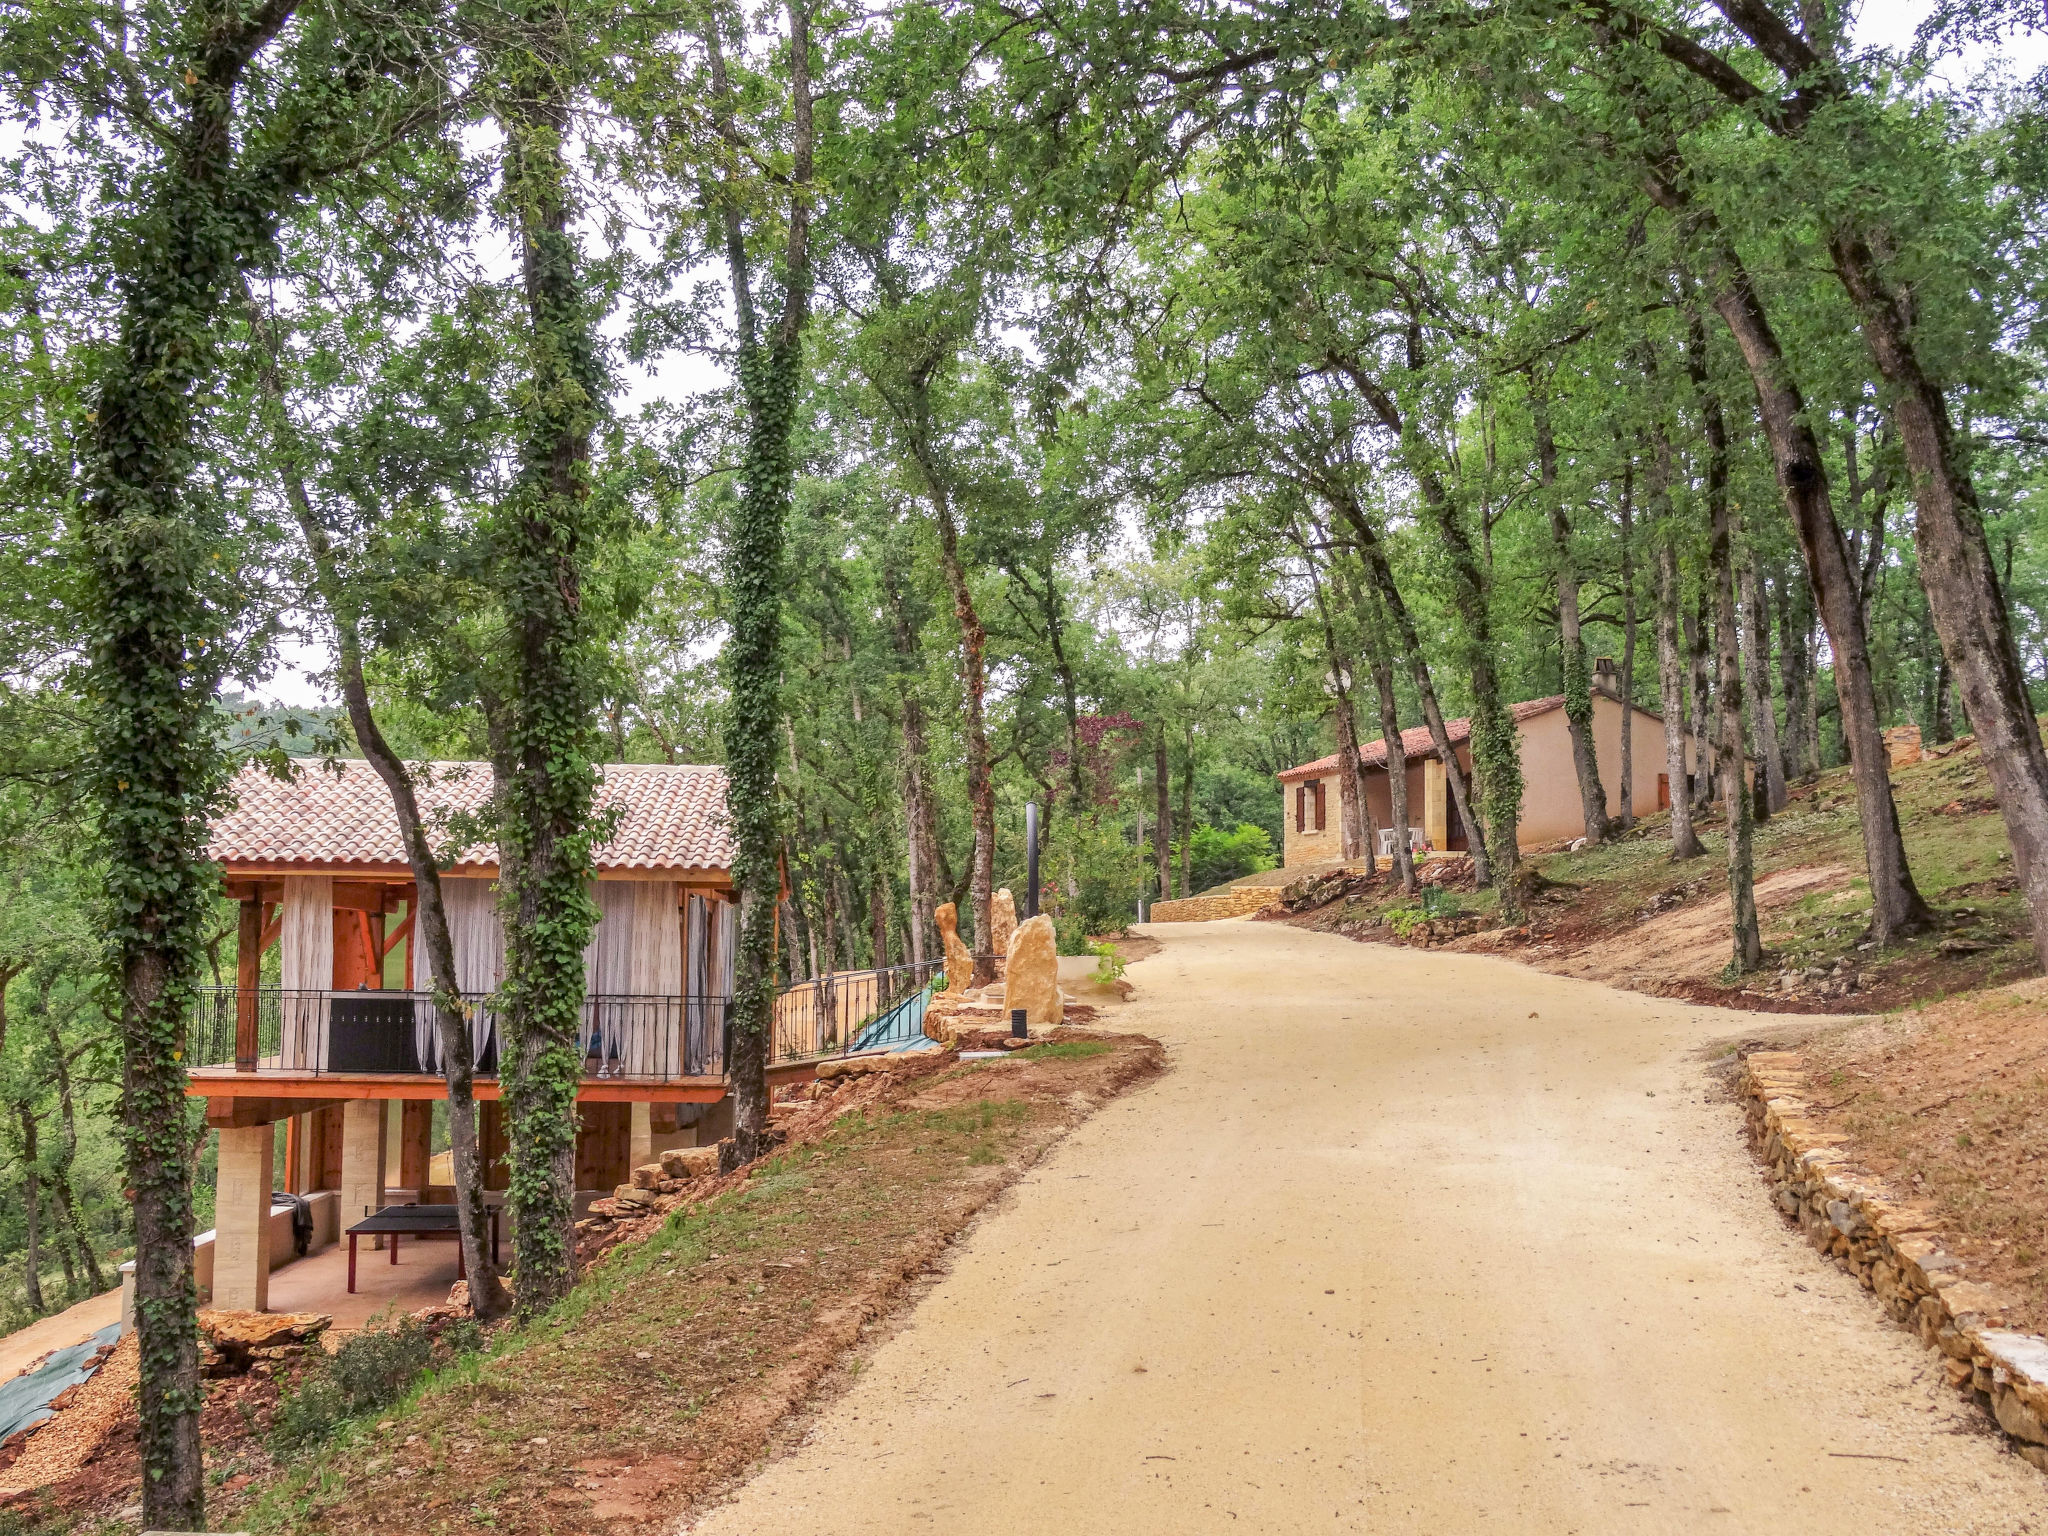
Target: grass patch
[[1064, 1050]]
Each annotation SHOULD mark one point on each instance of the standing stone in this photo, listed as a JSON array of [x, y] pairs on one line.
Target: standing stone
[[959, 961], [1002, 926], [1032, 974]]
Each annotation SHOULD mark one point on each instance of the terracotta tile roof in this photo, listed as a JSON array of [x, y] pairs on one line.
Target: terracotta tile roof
[[1416, 743], [671, 817]]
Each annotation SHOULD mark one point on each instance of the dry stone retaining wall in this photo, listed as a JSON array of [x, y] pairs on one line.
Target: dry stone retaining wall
[[1892, 1246], [1208, 909]]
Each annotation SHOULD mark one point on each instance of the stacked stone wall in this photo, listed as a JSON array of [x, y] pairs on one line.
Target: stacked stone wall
[[1893, 1247], [1208, 909]]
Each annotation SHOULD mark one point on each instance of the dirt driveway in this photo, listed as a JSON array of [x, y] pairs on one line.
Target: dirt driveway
[[1404, 1242]]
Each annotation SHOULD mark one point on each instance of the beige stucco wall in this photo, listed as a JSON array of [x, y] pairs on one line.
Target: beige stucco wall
[[1550, 788]]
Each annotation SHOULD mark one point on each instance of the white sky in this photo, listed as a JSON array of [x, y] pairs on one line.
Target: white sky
[[1881, 23]]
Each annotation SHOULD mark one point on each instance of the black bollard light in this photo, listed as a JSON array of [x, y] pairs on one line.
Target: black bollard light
[[1019, 1030], [1031, 860]]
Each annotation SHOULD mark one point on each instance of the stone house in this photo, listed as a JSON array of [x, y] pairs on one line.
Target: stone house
[[1550, 795]]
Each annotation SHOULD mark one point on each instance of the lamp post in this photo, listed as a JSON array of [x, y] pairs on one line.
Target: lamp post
[[1031, 860]]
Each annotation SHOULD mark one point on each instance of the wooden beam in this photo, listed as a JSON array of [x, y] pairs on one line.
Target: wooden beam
[[273, 925], [392, 938], [240, 1111], [248, 975]]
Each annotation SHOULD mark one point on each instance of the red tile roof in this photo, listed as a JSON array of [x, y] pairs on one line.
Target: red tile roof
[[1416, 743], [670, 817]]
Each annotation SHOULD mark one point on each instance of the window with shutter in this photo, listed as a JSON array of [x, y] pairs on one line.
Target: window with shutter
[[1319, 805], [1301, 807]]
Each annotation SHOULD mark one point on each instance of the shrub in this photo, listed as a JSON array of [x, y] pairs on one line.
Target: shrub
[[1217, 857], [371, 1369], [1094, 875]]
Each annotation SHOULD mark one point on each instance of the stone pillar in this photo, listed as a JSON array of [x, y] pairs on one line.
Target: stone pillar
[[362, 1161], [241, 1219], [640, 1141], [1435, 819]]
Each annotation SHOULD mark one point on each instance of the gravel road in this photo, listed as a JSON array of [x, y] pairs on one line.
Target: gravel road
[[1403, 1242]]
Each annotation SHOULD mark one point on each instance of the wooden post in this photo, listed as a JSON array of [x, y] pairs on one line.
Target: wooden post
[[248, 973]]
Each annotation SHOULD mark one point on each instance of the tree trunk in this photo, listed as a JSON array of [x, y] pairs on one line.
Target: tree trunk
[[1763, 720], [1956, 569], [31, 1173], [1163, 817], [1396, 608], [770, 371], [159, 618], [488, 1297], [1626, 791], [1795, 665], [1496, 743], [1896, 907], [1748, 950], [1699, 633], [545, 768], [981, 800], [1578, 690], [1354, 815], [60, 1176], [1397, 765], [1685, 843], [1187, 813]]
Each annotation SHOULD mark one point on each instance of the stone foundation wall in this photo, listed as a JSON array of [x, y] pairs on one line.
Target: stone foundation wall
[[1207, 909], [1892, 1246]]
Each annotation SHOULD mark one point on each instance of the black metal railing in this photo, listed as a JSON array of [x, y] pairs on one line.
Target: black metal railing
[[649, 1038], [846, 1012]]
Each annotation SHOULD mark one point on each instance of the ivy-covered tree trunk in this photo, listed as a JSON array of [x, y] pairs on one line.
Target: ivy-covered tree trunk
[[770, 375], [546, 775], [155, 551]]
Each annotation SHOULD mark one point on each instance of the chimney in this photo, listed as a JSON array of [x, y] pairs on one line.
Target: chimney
[[1605, 679]]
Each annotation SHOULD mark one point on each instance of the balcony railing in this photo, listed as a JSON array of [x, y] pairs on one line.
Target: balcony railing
[[843, 1013], [646, 1038], [637, 1038]]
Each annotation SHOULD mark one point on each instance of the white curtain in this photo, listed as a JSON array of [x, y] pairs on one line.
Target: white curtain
[[306, 966], [633, 973], [479, 943]]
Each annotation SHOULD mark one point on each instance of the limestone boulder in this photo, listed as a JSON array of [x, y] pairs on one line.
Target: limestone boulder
[[689, 1162], [959, 960], [227, 1329], [1002, 924], [1031, 979]]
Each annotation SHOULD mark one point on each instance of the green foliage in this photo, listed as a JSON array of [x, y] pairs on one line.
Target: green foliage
[[1109, 965], [1432, 902], [373, 1368], [1219, 857], [1094, 875]]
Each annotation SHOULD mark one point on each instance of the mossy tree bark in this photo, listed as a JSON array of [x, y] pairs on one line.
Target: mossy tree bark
[[544, 753], [770, 369]]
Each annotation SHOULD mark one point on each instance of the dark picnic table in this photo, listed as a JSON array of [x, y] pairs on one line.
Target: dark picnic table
[[426, 1222]]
